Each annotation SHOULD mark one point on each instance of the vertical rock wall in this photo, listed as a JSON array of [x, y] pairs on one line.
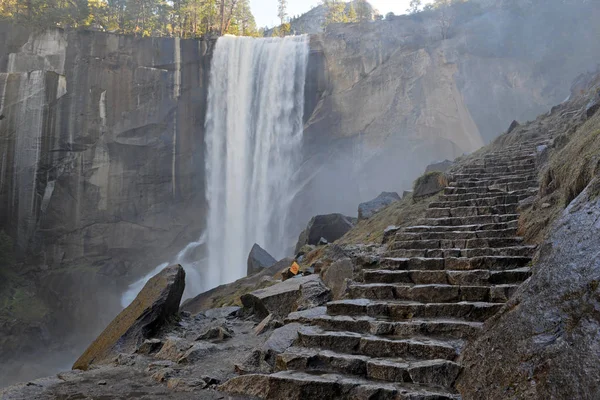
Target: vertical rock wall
[[101, 160]]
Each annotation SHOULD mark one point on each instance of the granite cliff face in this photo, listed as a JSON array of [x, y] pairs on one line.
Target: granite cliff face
[[101, 163], [396, 95]]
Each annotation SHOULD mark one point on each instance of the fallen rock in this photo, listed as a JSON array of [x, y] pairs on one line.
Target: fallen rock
[[441, 166], [429, 184], [268, 323], [173, 349], [150, 346], [368, 209], [151, 310], [389, 233], [216, 334], [545, 343], [259, 259], [592, 107], [288, 296], [262, 360], [185, 385], [291, 272], [210, 303], [197, 352], [223, 312], [514, 125], [331, 227], [163, 374], [337, 275]]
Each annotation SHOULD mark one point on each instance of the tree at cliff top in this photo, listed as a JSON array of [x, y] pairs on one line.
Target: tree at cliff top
[[183, 18], [364, 12]]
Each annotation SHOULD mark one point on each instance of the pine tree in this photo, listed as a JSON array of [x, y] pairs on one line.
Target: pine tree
[[363, 10], [282, 10], [351, 14], [414, 6]]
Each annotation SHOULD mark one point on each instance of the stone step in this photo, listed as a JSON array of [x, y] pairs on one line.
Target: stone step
[[487, 176], [463, 228], [455, 235], [512, 165], [491, 263], [459, 329], [429, 244], [471, 277], [434, 212], [404, 310], [502, 188], [432, 293], [423, 348], [515, 251], [478, 202], [474, 220], [472, 182], [505, 170], [438, 373], [298, 385], [521, 194]]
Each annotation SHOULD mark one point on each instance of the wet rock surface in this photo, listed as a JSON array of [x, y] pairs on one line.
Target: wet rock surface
[[152, 309], [545, 344], [368, 209], [329, 227], [259, 259], [186, 367]]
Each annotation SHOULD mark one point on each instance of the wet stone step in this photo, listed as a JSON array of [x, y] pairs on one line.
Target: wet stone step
[[470, 211], [470, 311], [492, 263], [473, 182], [475, 220], [457, 243], [378, 346], [515, 251], [472, 277], [459, 329], [478, 202], [432, 293], [438, 373], [300, 385], [488, 176], [521, 194], [498, 189], [455, 235], [463, 228]]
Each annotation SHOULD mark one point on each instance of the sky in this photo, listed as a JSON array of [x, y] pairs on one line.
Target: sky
[[265, 11]]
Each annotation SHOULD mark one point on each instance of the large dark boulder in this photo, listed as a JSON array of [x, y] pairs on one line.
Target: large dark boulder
[[545, 343], [593, 106], [152, 309], [259, 259], [368, 209], [330, 227]]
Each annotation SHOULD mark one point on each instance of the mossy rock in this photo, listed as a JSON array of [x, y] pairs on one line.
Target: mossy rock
[[157, 303], [429, 184]]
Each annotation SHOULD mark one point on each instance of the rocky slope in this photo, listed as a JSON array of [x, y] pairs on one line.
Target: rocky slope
[[397, 96]]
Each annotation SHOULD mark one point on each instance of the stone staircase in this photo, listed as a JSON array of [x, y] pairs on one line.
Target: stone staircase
[[400, 333]]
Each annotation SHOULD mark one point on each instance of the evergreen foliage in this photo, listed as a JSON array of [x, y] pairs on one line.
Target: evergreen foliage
[[181, 18]]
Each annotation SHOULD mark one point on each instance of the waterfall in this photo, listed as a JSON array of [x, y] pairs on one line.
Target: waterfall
[[253, 140], [254, 128]]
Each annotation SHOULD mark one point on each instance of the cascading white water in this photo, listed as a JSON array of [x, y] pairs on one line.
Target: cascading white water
[[254, 127], [253, 140]]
